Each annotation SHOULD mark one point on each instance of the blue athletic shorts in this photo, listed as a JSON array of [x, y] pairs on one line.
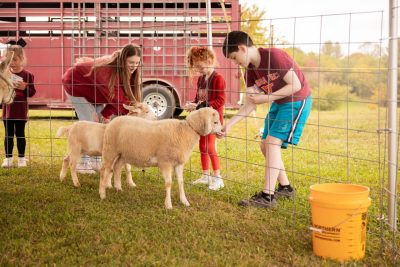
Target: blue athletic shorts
[[286, 121]]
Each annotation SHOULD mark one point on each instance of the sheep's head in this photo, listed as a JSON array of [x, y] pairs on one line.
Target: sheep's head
[[205, 121], [141, 110], [7, 92]]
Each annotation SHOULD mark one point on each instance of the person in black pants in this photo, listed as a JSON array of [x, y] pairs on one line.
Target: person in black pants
[[15, 114]]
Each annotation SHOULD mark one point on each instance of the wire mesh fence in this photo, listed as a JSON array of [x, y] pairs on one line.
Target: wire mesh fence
[[343, 58]]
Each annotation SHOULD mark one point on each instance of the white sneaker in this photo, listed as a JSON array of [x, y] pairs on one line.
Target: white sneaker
[[204, 179], [84, 168], [216, 184], [21, 162], [7, 163]]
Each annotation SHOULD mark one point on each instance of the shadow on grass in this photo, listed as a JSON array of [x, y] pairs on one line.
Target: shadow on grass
[[74, 118], [71, 118]]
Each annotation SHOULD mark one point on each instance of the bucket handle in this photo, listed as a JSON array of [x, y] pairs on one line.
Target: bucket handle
[[318, 230]]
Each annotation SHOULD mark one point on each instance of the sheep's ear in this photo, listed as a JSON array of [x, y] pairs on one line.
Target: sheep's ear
[[134, 111], [207, 126], [7, 61], [141, 106], [127, 107], [130, 107], [207, 120]]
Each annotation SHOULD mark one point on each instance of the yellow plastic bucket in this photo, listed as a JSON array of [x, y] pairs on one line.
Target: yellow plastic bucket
[[339, 220]]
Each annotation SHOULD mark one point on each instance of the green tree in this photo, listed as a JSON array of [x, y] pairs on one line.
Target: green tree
[[331, 49], [361, 71], [329, 96], [331, 63], [298, 55], [252, 18]]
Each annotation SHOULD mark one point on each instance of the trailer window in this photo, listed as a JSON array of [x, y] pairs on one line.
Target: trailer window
[[38, 5], [76, 5], [7, 5]]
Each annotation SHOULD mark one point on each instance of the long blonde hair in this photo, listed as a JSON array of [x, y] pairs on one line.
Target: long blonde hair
[[118, 60], [18, 52]]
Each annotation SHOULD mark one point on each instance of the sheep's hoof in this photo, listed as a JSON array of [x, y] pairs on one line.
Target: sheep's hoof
[[102, 194], [168, 206], [186, 203], [77, 185], [119, 189], [132, 185], [62, 176], [109, 186]]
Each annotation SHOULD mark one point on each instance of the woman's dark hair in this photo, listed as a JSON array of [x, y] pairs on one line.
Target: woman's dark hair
[[233, 40]]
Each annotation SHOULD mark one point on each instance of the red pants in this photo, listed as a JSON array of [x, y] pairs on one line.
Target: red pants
[[208, 150]]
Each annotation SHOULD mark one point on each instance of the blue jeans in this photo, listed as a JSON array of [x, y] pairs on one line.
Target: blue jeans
[[86, 111]]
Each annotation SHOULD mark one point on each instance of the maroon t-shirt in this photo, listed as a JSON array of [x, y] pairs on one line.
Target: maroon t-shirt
[[19, 108], [274, 65], [94, 87]]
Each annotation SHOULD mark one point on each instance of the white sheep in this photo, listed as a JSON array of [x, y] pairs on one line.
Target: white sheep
[[7, 91], [167, 144], [86, 138]]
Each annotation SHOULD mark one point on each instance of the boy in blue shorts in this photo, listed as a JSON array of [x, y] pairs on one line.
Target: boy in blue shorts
[[271, 77]]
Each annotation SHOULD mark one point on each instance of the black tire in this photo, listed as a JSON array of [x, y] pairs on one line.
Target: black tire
[[161, 99]]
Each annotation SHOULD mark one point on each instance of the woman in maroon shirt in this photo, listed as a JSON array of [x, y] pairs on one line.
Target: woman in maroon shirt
[[15, 114], [210, 93], [106, 82], [98, 88]]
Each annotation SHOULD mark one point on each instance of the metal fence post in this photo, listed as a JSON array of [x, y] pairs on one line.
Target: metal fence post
[[392, 115]]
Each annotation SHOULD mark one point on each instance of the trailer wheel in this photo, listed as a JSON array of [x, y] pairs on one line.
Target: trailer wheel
[[161, 99]]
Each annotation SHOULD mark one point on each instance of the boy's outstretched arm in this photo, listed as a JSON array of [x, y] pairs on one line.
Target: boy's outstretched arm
[[245, 110]]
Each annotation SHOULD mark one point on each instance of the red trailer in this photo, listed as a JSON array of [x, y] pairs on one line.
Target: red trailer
[[57, 32]]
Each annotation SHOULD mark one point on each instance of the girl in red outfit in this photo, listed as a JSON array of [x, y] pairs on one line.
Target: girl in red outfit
[[210, 93], [15, 114], [98, 88]]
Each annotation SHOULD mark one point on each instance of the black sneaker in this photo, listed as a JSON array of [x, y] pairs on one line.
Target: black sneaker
[[259, 200], [285, 191]]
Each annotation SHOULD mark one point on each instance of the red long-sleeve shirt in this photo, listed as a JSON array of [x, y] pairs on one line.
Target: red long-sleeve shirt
[[95, 87], [19, 108], [212, 92]]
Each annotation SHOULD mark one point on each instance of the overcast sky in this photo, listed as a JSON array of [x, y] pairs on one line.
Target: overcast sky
[[307, 23]]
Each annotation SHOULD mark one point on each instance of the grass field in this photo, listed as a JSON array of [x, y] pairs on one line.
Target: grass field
[[46, 222]]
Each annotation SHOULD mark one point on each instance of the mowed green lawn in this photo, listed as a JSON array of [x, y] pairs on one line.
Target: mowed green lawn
[[46, 222]]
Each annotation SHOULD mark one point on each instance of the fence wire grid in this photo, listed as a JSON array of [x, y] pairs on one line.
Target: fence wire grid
[[345, 138]]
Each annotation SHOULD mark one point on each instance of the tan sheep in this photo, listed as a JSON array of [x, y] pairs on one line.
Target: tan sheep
[[167, 144], [86, 138], [7, 91]]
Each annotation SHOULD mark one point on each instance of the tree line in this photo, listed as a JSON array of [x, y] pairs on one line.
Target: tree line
[[334, 75]]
